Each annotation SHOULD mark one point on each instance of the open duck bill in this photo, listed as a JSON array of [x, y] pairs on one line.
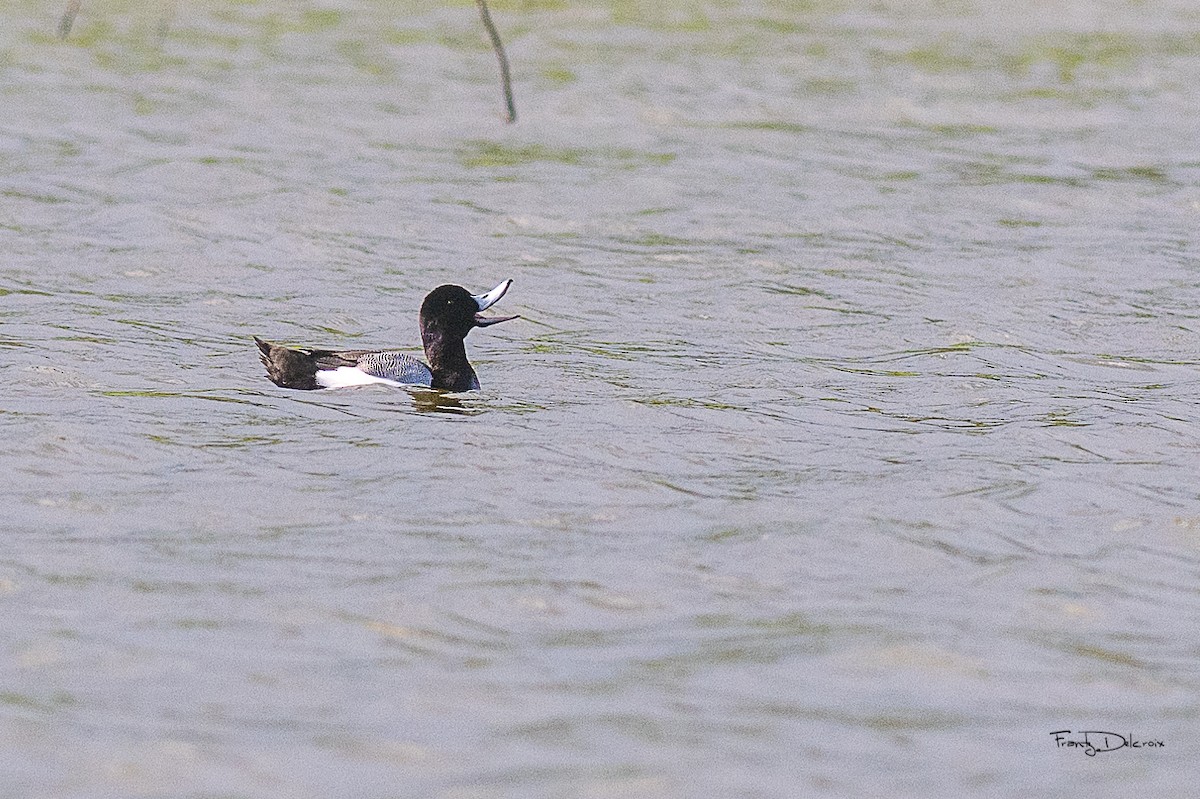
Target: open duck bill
[[485, 301]]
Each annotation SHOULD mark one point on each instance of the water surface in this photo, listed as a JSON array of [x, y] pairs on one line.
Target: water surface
[[846, 447]]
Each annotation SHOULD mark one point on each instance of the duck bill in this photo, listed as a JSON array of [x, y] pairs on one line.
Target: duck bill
[[485, 301], [484, 321]]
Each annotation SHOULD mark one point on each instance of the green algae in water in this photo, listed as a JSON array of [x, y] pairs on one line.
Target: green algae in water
[[483, 154]]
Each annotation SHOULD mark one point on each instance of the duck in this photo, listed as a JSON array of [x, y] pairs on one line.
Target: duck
[[447, 315]]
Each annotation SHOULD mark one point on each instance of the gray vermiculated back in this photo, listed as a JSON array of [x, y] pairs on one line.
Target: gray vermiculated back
[[396, 366]]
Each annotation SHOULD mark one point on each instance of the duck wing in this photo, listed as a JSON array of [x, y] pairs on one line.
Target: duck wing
[[308, 369]]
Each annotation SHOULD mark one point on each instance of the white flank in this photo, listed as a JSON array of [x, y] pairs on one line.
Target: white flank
[[345, 376]]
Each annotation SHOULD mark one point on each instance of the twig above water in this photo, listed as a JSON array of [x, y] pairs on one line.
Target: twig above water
[[68, 18], [498, 46]]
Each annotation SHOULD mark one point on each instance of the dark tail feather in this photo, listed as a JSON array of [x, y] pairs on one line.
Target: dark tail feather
[[264, 350], [288, 368]]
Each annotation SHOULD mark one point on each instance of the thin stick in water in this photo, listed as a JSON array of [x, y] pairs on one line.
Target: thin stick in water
[[498, 46], [169, 9], [68, 18]]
